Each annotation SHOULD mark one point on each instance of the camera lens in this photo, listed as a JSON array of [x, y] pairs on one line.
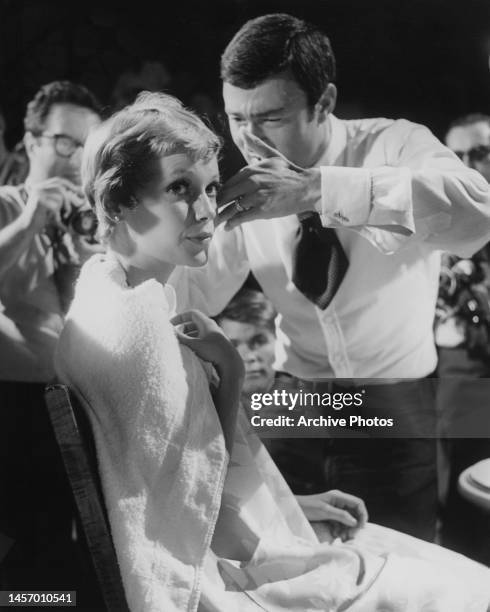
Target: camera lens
[[84, 222]]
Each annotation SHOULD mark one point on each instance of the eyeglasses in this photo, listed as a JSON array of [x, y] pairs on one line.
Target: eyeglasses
[[64, 145], [475, 154]]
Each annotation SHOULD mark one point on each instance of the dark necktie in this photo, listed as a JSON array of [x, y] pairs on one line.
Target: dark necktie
[[319, 261]]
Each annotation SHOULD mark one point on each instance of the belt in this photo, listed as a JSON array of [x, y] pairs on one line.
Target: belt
[[328, 385]]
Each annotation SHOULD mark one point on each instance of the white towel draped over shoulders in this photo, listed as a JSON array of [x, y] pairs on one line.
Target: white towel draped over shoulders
[[160, 449]]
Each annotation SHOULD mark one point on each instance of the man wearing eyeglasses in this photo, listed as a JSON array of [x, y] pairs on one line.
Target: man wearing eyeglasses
[[42, 244], [469, 138], [463, 338]]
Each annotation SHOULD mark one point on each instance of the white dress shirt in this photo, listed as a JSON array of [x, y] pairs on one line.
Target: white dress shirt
[[396, 197]]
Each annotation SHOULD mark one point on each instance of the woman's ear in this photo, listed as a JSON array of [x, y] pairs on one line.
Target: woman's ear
[[326, 102]]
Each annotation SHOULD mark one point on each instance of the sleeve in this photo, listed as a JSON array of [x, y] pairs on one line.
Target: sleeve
[[211, 287], [422, 193]]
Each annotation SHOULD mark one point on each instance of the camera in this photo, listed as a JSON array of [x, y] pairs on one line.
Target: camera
[[76, 215]]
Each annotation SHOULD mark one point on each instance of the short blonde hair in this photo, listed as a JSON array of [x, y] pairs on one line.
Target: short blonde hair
[[121, 158]]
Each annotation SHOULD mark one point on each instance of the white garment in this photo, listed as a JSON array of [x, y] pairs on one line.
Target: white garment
[[377, 175]]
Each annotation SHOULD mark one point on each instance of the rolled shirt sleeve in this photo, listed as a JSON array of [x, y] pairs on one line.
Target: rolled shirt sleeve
[[417, 191]]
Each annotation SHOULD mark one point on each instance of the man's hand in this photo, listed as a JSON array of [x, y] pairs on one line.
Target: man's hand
[[345, 514], [80, 248], [46, 199], [207, 340], [271, 187]]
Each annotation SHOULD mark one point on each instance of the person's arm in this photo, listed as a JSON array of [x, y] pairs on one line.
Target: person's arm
[[421, 192], [15, 239], [44, 202], [424, 193]]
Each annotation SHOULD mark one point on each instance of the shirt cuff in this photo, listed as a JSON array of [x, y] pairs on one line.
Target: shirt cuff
[[379, 197], [346, 196]]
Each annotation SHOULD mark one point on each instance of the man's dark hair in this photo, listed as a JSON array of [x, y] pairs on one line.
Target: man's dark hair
[[57, 92], [469, 120], [275, 43], [250, 306]]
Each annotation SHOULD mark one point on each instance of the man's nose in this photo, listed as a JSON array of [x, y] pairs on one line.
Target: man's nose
[[76, 157], [248, 355], [254, 128], [204, 208]]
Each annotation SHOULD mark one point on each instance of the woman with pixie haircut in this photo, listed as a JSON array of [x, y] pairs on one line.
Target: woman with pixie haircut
[[200, 516]]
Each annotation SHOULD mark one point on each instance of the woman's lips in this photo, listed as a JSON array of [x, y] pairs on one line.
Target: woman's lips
[[202, 238]]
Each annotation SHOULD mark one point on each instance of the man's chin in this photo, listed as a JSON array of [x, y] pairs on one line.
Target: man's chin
[[258, 385]]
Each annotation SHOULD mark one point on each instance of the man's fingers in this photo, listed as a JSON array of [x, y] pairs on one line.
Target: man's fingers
[[244, 217], [258, 148], [239, 184], [64, 182], [227, 212], [238, 206]]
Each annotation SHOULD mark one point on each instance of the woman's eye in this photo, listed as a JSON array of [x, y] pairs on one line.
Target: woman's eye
[[212, 189], [179, 188]]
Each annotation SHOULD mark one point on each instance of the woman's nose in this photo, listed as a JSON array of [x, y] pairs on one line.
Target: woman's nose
[[204, 208]]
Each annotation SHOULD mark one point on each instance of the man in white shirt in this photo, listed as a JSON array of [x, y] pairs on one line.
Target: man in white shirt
[[395, 197]]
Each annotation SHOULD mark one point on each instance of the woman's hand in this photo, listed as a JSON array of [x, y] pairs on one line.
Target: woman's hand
[[207, 340], [344, 513]]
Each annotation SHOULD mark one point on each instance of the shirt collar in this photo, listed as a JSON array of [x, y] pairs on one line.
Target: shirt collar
[[335, 151]]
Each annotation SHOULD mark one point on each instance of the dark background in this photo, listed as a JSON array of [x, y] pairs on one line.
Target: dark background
[[425, 60]]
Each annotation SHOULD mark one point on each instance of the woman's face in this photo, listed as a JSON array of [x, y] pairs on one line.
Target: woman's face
[[174, 223]]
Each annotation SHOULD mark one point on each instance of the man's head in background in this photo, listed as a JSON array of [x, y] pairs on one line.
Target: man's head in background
[[248, 321], [469, 138], [278, 73], [57, 123]]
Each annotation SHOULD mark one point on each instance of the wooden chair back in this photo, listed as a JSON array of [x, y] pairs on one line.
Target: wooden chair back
[[75, 440]]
